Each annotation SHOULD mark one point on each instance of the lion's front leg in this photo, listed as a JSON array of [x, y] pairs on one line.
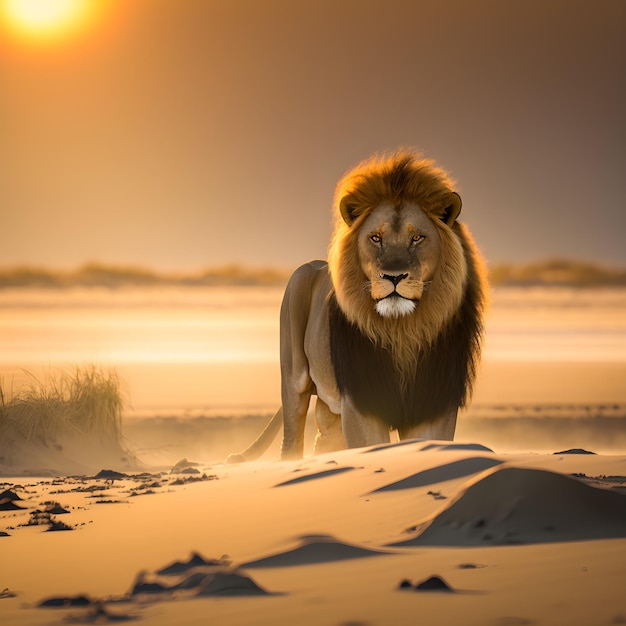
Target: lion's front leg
[[295, 407], [442, 428], [360, 431]]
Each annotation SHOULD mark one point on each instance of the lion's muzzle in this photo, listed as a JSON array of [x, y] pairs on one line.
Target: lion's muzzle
[[396, 294]]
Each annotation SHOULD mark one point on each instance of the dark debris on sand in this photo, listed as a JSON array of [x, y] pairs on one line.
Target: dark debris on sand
[[434, 583], [197, 577], [194, 479], [54, 508], [147, 492], [110, 475], [89, 489], [198, 584], [8, 500], [574, 451], [195, 560], [7, 494], [56, 525], [44, 518], [65, 602], [437, 495], [95, 612]]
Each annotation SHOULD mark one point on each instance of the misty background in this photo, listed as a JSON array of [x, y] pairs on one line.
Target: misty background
[[182, 135]]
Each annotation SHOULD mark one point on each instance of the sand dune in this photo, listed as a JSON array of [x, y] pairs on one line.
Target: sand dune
[[442, 473], [512, 505], [314, 549], [315, 476], [492, 539], [203, 580]]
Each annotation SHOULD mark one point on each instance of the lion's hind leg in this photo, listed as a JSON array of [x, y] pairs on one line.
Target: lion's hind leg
[[329, 434]]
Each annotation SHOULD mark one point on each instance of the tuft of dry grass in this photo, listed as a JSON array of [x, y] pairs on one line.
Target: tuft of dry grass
[[87, 402]]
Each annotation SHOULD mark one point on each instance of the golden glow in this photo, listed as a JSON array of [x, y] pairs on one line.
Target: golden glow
[[44, 20]]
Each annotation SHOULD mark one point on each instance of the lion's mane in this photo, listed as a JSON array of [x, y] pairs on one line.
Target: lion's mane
[[434, 351]]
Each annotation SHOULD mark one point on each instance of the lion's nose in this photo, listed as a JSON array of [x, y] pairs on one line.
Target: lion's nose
[[394, 278]]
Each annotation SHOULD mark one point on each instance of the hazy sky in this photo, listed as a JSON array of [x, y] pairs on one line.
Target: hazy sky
[[181, 134]]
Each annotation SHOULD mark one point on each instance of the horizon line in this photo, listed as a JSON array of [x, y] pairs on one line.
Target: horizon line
[[548, 272]]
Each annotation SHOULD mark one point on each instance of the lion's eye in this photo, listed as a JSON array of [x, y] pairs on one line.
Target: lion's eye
[[376, 238], [417, 239]]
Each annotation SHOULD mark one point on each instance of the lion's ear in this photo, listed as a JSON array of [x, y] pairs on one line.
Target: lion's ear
[[347, 208], [453, 210]]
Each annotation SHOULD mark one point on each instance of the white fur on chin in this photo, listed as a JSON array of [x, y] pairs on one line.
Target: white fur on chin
[[395, 307]]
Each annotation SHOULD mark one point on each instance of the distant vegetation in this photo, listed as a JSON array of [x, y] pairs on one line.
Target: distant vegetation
[[545, 273], [96, 275], [558, 272]]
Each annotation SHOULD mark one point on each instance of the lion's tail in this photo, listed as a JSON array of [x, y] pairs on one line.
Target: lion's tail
[[262, 442]]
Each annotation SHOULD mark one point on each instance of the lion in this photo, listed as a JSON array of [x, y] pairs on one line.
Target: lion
[[387, 333]]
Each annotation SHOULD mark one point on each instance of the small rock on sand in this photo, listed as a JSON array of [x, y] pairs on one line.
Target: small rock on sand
[[574, 451], [110, 475], [434, 583], [65, 601]]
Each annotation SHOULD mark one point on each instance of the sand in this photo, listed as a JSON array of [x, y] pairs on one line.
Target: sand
[[416, 532]]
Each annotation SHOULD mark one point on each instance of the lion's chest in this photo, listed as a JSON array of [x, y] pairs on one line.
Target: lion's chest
[[366, 373]]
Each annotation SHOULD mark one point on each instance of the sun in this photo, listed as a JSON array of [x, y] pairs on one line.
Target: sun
[[44, 20]]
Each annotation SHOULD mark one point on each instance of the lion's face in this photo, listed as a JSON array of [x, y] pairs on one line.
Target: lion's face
[[396, 260], [398, 248]]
